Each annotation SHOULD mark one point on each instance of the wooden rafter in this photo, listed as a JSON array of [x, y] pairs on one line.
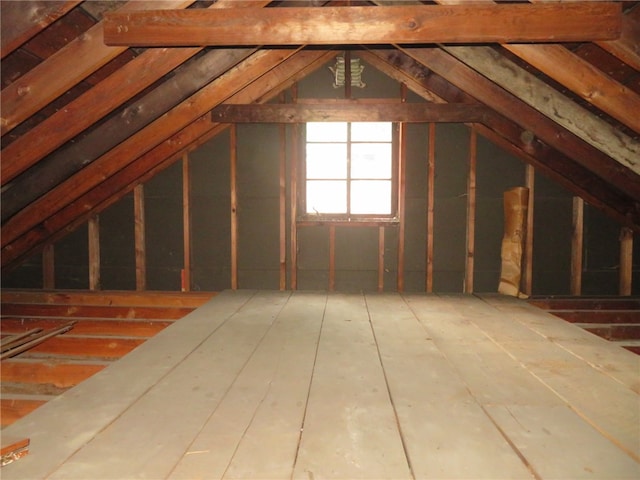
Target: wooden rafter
[[507, 134], [21, 21], [78, 59], [146, 166], [554, 22]]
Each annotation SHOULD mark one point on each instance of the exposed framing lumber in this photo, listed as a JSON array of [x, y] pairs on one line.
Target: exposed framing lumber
[[573, 163], [580, 21], [381, 231], [577, 241], [332, 257], [349, 112], [233, 180], [21, 21], [626, 47], [143, 168], [139, 227], [591, 84], [536, 93], [402, 188], [61, 165], [282, 199], [78, 59], [626, 261], [94, 253], [527, 264], [470, 81], [115, 90], [471, 212], [186, 223], [140, 143], [431, 182]]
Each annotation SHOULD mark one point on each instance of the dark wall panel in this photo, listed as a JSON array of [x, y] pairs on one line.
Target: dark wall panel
[[72, 260], [117, 246]]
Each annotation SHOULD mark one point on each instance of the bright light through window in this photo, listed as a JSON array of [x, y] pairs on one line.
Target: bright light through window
[[349, 168]]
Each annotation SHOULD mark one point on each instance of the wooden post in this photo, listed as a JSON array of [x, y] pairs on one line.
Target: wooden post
[[48, 268], [626, 260], [527, 266], [577, 239], [332, 258], [139, 235], [186, 223], [293, 196], [471, 212], [431, 170], [234, 208], [402, 152], [94, 253], [283, 207], [381, 259]]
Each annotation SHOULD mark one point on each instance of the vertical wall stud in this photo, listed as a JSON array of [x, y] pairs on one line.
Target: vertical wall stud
[[626, 260], [234, 208], [94, 253], [577, 236], [527, 267], [293, 196], [381, 259], [402, 153], [332, 258], [471, 212], [139, 236], [431, 170], [186, 223], [48, 268], [283, 207]]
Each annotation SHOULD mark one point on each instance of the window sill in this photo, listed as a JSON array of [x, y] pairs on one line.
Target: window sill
[[318, 220]]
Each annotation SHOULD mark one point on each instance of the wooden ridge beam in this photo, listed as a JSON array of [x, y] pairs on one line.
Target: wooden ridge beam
[[353, 112], [554, 22], [626, 48]]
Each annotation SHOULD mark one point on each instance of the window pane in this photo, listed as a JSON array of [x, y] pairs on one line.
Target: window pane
[[371, 160], [371, 197], [326, 160], [327, 132], [371, 131], [326, 196]]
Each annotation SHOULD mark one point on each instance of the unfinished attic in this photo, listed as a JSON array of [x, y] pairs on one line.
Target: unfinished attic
[[306, 239]]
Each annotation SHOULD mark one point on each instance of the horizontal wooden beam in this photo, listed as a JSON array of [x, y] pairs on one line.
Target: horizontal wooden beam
[[354, 112], [470, 23]]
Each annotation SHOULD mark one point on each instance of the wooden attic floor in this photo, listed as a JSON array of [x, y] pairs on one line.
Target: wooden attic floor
[[257, 384]]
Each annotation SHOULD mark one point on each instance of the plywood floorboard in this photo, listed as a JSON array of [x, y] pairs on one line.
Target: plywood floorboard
[[281, 385]]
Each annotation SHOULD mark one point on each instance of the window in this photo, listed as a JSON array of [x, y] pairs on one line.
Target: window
[[349, 170]]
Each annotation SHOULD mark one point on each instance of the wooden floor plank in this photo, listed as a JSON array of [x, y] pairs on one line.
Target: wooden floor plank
[[542, 431], [159, 427], [54, 428], [254, 431], [607, 357], [441, 421], [57, 373], [607, 404], [95, 311], [129, 328], [350, 429]]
